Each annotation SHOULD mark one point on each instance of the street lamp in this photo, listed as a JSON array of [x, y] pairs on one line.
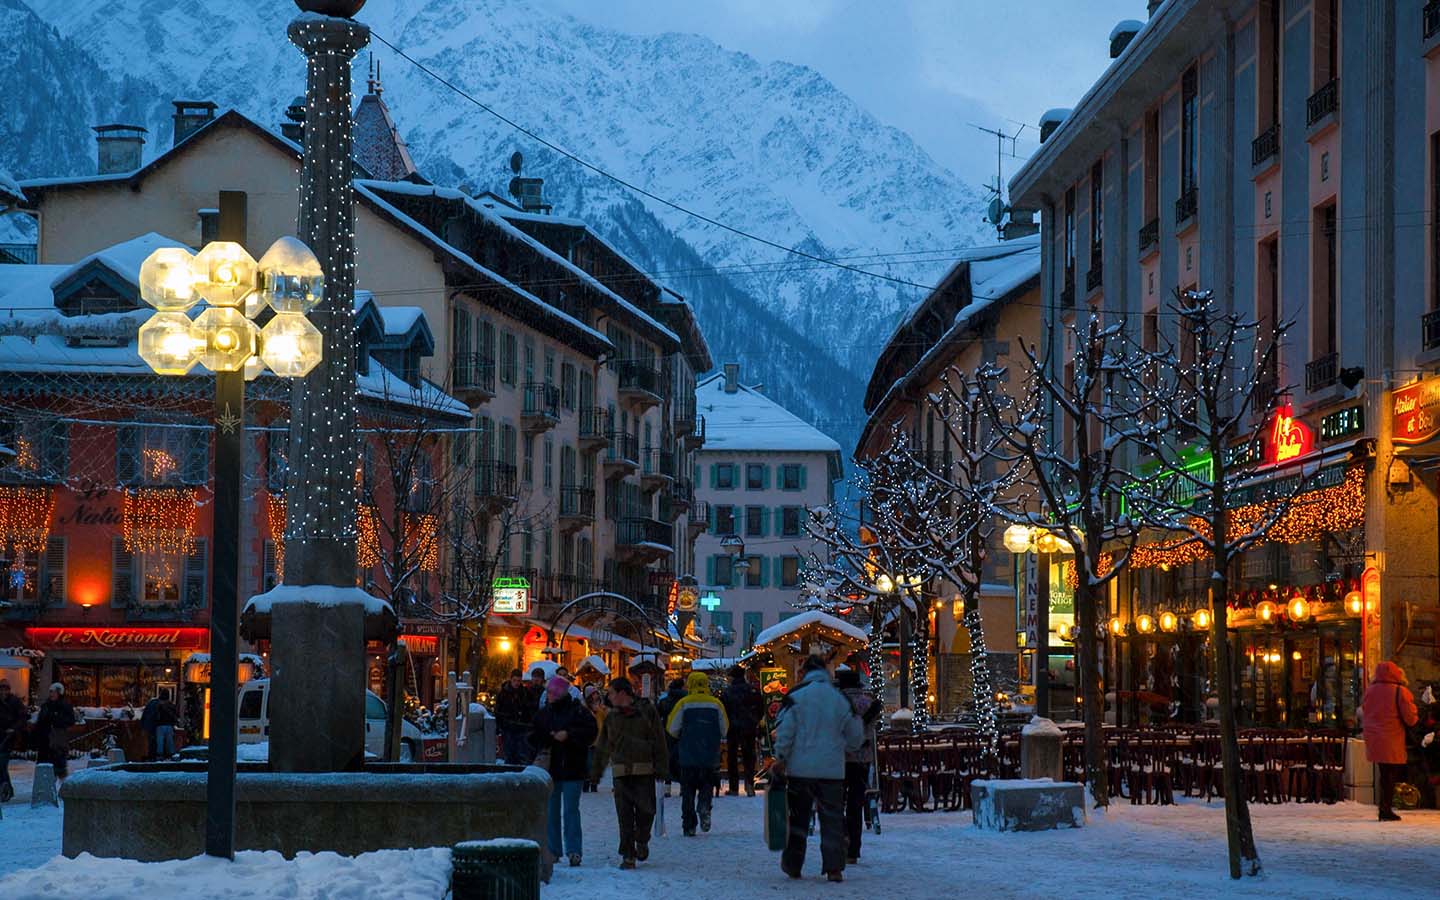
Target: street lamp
[[734, 546], [224, 339]]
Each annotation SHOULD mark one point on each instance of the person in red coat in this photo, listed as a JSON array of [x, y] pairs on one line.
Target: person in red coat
[[1388, 709]]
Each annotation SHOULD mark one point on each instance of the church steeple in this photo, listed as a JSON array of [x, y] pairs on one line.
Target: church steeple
[[379, 148]]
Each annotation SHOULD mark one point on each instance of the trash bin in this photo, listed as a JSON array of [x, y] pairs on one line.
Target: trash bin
[[497, 869]]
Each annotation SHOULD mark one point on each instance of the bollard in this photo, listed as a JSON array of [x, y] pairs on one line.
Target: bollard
[[1042, 750], [499, 869], [42, 789], [114, 755]]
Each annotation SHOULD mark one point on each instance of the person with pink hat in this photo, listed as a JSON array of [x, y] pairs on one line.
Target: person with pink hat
[[564, 729]]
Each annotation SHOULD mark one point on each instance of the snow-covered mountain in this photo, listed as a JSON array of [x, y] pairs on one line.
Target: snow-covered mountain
[[771, 148]]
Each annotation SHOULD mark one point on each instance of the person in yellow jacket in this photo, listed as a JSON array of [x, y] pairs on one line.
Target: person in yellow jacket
[[697, 722]]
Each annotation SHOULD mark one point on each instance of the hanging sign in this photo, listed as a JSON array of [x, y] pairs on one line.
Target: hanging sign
[[512, 596], [1290, 438], [1415, 412], [686, 599], [1032, 599]]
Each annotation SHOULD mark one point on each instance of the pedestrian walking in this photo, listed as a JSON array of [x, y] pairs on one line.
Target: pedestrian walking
[[857, 763], [674, 693], [1387, 710], [817, 728], [632, 742], [697, 722], [52, 725], [595, 702], [515, 709], [12, 722], [745, 707], [166, 718], [564, 728]]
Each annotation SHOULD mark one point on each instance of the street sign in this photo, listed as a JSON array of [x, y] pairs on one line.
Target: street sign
[[512, 596], [1032, 599]]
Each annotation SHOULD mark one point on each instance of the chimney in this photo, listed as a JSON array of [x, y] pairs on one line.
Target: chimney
[[1051, 120], [119, 147], [294, 125], [190, 116], [732, 377], [1121, 36], [1152, 6]]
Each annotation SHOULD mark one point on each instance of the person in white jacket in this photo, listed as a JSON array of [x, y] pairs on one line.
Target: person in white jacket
[[817, 727]]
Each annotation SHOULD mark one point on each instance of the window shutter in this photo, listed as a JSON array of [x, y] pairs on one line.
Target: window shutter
[[52, 573], [122, 574], [197, 456], [764, 521], [765, 478], [56, 450], [127, 454], [802, 469], [714, 476], [194, 595]]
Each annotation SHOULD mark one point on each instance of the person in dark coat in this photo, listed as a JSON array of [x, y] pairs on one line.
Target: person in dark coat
[[745, 707], [514, 714], [674, 693], [12, 722], [564, 728], [857, 763], [52, 725], [1387, 710], [632, 740]]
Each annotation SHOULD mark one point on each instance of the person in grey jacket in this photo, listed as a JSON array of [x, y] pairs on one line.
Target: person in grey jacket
[[817, 728]]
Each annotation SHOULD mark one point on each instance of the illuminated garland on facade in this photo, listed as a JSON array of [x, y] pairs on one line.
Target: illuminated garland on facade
[[367, 544], [1103, 564], [275, 517], [159, 521], [25, 514]]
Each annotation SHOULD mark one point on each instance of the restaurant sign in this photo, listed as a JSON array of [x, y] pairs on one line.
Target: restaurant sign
[[1290, 438], [1415, 412], [118, 638], [512, 596]]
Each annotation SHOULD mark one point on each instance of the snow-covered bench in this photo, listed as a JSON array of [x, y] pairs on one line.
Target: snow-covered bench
[[1019, 804]]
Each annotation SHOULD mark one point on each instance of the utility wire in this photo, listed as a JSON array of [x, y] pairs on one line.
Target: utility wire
[[636, 188]]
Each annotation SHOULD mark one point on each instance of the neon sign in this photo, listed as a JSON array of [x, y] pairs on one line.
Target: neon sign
[[1290, 438], [512, 596]]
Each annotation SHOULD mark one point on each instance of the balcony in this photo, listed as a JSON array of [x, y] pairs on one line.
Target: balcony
[[594, 428], [1430, 326], [1322, 103], [685, 415], [699, 521], [695, 437], [577, 508], [541, 411], [18, 254], [1266, 146], [643, 540], [682, 493], [495, 484], [1430, 18], [623, 455], [657, 469], [148, 611], [639, 385], [1095, 275], [1149, 236], [472, 378], [1322, 373], [1187, 206]]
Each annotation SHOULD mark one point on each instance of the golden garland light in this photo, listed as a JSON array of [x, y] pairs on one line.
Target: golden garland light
[[426, 530], [367, 542], [25, 514], [159, 521], [275, 511], [1104, 563]]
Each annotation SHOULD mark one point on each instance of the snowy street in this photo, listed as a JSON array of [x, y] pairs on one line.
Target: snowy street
[[1132, 851]]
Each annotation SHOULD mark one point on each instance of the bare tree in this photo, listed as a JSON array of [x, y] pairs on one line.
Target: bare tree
[[1074, 429], [1213, 382]]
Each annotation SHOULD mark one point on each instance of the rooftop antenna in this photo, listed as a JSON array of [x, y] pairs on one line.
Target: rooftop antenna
[[998, 208], [372, 84]]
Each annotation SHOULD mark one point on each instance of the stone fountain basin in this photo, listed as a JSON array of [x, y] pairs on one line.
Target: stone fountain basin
[[156, 811]]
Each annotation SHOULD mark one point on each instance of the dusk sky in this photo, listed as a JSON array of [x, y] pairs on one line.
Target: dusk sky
[[930, 67]]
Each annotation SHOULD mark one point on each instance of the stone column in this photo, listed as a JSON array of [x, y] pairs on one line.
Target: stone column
[[317, 697]]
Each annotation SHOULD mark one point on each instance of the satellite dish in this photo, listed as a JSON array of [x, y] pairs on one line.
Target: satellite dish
[[996, 211], [516, 161]]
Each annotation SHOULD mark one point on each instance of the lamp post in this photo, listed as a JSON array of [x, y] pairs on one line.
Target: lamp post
[[224, 339]]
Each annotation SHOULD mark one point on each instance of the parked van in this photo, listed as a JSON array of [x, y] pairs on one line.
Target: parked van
[[255, 721]]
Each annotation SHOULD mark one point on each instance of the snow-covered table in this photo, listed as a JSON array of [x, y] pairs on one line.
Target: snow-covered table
[[1021, 804]]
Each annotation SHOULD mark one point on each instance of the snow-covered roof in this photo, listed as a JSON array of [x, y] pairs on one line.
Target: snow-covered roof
[[381, 384], [748, 420], [10, 192], [27, 287], [717, 664], [814, 618], [593, 662], [124, 258], [400, 319]]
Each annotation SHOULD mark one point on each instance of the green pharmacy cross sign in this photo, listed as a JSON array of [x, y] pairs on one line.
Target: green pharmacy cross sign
[[710, 601], [512, 595]]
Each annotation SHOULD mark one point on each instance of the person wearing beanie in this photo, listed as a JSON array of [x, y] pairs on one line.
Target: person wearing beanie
[[514, 712], [564, 728], [52, 725], [674, 693], [697, 723], [632, 742]]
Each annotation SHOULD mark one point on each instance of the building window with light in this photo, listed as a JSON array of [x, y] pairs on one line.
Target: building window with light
[[755, 575], [789, 571], [160, 578]]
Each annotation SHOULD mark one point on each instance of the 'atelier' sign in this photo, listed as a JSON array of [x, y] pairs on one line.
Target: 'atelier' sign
[[1415, 412]]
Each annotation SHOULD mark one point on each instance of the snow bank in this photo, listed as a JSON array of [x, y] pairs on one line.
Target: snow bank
[[382, 874], [317, 595]]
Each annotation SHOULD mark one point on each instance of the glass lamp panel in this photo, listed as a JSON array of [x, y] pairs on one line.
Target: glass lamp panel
[[169, 343], [224, 273], [229, 338], [167, 280], [291, 279], [290, 346]]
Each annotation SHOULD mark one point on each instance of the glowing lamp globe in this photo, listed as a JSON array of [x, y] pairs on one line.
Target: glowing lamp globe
[[168, 343], [291, 280], [1265, 611], [224, 273], [1117, 627], [229, 338], [1169, 621], [1354, 603], [884, 583], [1144, 624], [1047, 543], [1017, 538], [290, 345], [1298, 608], [1064, 631], [167, 281], [1201, 619]]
